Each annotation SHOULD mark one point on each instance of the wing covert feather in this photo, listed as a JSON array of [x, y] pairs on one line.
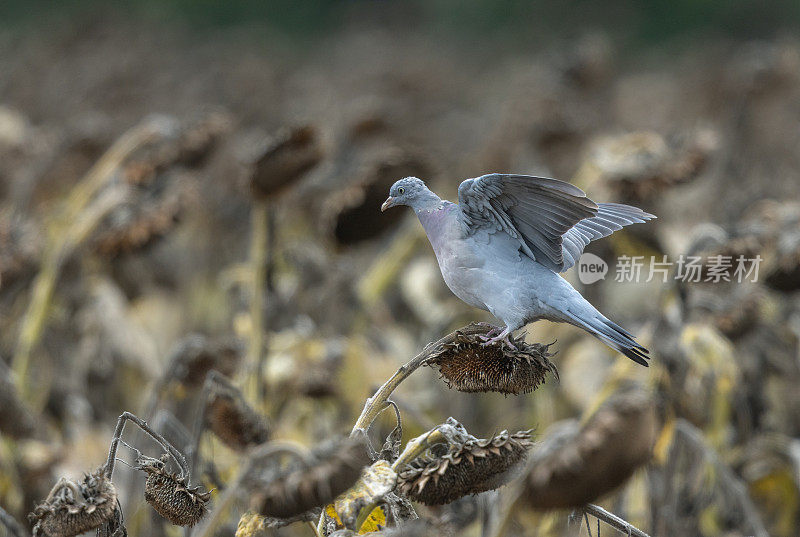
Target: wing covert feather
[[552, 220], [536, 211]]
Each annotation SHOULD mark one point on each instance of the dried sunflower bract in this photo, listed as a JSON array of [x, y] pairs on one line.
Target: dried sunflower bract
[[169, 494], [474, 466], [301, 489], [468, 365], [73, 508]]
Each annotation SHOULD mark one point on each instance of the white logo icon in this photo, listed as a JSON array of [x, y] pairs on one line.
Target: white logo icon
[[591, 269]]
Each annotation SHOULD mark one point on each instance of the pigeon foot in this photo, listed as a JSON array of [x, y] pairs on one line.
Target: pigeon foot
[[493, 330], [504, 337]]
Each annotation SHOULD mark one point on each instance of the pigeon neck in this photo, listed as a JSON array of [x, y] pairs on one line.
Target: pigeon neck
[[436, 221], [427, 202]]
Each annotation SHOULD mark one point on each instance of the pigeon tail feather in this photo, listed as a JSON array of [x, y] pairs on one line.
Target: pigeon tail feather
[[612, 335]]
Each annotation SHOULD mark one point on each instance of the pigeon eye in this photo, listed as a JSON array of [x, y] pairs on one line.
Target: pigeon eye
[[401, 190]]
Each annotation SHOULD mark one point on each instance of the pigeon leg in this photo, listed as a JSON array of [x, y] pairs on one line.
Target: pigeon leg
[[493, 330], [504, 337]]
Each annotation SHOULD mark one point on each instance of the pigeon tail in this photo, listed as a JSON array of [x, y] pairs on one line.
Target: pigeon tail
[[611, 334]]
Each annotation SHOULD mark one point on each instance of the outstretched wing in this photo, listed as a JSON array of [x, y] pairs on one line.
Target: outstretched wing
[[610, 218], [552, 220], [537, 211]]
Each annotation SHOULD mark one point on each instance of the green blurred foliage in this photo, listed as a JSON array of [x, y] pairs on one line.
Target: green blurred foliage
[[642, 22]]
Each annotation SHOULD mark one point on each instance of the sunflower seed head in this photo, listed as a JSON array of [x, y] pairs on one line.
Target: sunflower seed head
[[350, 215], [298, 490], [73, 508], [160, 186], [150, 213], [285, 160], [194, 356], [470, 366], [169, 494], [577, 464], [234, 421], [474, 466]]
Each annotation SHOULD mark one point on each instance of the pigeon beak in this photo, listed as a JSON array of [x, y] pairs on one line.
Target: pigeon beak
[[388, 203]]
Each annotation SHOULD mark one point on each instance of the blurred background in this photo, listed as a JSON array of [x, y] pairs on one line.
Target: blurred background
[[152, 227]]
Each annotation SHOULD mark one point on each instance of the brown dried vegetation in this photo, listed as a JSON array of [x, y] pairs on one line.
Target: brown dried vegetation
[[171, 496], [233, 420], [73, 508], [468, 365], [580, 464], [467, 468], [336, 469]]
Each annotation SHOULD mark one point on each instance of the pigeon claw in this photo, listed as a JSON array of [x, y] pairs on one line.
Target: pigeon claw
[[502, 337], [493, 331]]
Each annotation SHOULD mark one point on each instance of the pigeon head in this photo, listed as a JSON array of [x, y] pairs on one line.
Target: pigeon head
[[409, 191]]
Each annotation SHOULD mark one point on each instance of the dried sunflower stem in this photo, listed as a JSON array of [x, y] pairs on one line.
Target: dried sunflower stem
[[418, 446], [256, 357], [503, 518], [200, 421], [60, 250], [379, 401], [687, 435], [613, 520], [61, 246], [314, 529], [14, 529], [414, 449], [112, 451]]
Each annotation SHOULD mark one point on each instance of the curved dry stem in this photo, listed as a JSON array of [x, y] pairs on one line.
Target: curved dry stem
[[418, 446], [200, 421], [169, 448], [14, 528], [378, 402]]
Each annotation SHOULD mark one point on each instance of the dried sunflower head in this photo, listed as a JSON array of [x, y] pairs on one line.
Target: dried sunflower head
[[469, 467], [151, 212], [73, 508], [169, 494], [298, 490], [643, 163], [578, 464], [468, 365], [351, 214], [186, 144], [232, 420], [161, 186], [194, 356], [285, 160]]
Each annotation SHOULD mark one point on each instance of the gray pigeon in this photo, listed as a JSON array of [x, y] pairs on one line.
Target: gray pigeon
[[501, 248]]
